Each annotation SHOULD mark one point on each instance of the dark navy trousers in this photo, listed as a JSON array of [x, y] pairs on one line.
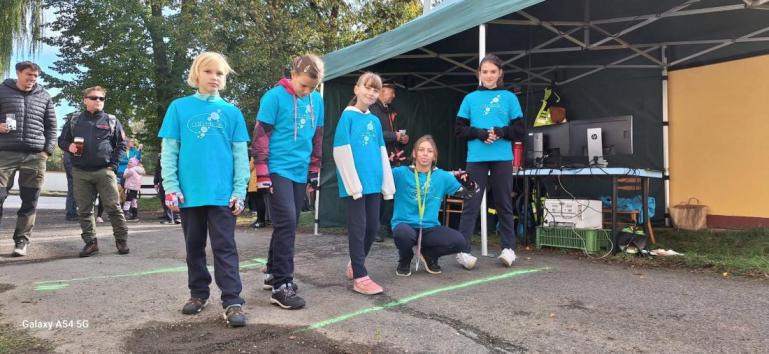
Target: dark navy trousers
[[362, 228], [218, 224], [285, 205], [499, 175], [436, 241]]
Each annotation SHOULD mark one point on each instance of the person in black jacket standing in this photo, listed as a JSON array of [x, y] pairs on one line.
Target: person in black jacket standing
[[27, 139], [96, 141], [395, 142]]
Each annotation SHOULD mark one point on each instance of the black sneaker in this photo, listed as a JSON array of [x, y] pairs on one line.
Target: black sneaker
[[20, 248], [403, 269], [431, 264], [234, 316], [269, 281], [194, 306], [286, 297], [90, 249]]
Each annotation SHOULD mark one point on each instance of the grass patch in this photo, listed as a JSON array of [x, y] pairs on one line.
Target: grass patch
[[743, 252], [13, 340]]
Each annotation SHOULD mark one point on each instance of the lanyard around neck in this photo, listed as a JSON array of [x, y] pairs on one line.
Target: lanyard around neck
[[421, 201]]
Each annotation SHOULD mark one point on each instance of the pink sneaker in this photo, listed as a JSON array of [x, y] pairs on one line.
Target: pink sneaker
[[348, 272], [366, 286]]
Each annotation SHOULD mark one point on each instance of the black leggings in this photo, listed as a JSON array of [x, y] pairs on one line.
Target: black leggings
[[499, 174]]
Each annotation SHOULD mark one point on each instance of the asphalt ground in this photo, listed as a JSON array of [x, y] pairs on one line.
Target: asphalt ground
[[547, 302]]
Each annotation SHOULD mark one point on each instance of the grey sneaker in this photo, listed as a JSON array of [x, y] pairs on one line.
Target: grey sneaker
[[234, 316], [20, 249], [286, 298], [194, 306]]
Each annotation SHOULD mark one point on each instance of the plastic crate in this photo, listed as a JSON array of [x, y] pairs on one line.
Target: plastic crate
[[590, 240]]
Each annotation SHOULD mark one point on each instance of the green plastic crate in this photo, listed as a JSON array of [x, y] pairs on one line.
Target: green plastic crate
[[590, 240]]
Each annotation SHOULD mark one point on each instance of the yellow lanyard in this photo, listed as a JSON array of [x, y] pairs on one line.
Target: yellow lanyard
[[421, 201]]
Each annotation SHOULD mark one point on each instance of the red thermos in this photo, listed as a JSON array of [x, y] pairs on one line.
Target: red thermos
[[517, 155]]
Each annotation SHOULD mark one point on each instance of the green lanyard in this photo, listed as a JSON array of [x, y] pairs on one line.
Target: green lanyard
[[421, 201]]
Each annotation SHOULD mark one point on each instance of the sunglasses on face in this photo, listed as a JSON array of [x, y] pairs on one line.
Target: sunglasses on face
[[94, 98]]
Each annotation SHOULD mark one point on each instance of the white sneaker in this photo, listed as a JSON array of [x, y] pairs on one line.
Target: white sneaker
[[20, 249], [507, 257], [99, 219], [466, 260]]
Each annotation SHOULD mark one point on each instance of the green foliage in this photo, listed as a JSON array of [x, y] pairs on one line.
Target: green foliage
[[21, 21], [140, 50]]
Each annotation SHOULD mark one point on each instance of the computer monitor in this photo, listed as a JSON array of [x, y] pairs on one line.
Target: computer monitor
[[616, 135], [545, 145]]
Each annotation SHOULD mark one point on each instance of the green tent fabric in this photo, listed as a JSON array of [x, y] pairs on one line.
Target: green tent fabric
[[443, 22], [707, 31]]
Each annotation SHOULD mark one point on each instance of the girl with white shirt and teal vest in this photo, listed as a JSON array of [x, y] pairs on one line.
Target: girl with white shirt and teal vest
[[420, 189], [288, 138], [363, 171], [204, 160], [486, 120]]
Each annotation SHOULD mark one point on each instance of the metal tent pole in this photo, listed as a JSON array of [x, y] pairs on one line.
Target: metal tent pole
[[317, 192], [484, 210], [665, 136]]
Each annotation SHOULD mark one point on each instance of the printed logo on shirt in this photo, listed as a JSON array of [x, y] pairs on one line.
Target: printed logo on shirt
[[304, 114], [494, 103], [206, 124], [369, 136]]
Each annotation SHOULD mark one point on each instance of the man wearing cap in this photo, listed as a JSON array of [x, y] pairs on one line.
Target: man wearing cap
[[395, 141], [27, 139]]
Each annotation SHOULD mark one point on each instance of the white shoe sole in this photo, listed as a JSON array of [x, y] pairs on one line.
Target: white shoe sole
[[276, 302], [505, 262]]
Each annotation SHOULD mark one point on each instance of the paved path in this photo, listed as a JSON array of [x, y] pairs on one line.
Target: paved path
[[548, 302]]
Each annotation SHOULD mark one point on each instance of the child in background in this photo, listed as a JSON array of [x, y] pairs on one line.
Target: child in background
[[287, 145], [255, 197], [420, 191], [363, 170], [204, 160], [132, 178]]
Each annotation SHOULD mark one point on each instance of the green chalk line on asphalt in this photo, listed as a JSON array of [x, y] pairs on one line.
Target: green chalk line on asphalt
[[419, 296], [49, 285]]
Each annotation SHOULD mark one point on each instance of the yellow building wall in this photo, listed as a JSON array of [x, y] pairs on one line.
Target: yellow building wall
[[719, 136]]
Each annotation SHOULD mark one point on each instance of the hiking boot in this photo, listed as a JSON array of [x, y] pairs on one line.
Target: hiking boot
[[90, 249], [403, 269], [20, 248], [431, 264], [507, 257], [122, 246], [234, 316], [366, 286], [269, 282], [348, 271], [286, 298], [466, 260], [194, 306]]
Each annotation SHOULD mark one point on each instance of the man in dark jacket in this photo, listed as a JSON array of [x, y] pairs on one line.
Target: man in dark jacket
[[27, 139], [395, 142], [96, 141]]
